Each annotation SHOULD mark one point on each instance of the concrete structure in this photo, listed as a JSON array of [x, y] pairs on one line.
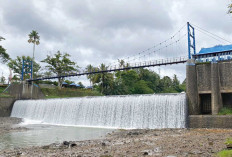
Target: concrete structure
[[25, 91], [209, 86], [6, 105], [210, 121]]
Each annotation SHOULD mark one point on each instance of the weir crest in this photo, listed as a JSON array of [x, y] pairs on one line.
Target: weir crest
[[127, 112]]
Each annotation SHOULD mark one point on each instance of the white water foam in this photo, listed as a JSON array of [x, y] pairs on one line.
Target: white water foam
[[127, 112]]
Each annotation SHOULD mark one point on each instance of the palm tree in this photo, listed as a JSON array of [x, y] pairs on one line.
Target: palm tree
[[90, 69], [34, 38]]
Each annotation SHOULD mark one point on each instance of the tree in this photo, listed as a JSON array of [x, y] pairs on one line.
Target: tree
[[90, 69], [4, 56], [34, 39], [69, 82], [230, 9], [16, 66], [60, 65], [1, 38], [81, 85], [3, 79]]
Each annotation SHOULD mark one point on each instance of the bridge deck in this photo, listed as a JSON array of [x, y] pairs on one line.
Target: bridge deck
[[134, 66]]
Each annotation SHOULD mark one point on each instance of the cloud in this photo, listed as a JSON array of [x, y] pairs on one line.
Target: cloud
[[95, 32]]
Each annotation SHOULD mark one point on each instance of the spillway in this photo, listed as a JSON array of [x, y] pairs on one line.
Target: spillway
[[128, 112]]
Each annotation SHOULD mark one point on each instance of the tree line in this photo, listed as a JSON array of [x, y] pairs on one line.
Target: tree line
[[140, 81]]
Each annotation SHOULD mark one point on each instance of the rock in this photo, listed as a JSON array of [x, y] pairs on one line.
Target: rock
[[18, 153], [45, 147], [103, 144], [145, 153], [66, 143], [73, 145], [229, 146]]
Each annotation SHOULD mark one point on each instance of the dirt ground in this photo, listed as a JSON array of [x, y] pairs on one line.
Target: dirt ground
[[163, 142]]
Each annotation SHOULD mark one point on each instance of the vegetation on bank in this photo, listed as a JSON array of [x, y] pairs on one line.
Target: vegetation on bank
[[4, 95], [68, 92], [225, 111], [228, 152]]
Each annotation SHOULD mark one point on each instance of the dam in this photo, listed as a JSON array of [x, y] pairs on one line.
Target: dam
[[126, 112]]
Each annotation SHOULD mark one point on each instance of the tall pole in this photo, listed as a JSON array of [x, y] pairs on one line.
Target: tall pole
[[33, 58]]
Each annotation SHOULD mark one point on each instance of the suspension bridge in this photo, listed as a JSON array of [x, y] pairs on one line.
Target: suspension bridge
[[171, 47]]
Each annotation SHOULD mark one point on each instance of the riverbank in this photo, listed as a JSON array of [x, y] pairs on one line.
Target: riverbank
[[9, 124], [164, 142]]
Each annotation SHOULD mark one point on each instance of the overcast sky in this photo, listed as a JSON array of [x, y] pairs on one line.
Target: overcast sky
[[97, 31]]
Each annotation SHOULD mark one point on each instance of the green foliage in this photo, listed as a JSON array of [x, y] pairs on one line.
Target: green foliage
[[16, 66], [225, 111], [60, 64], [225, 153], [68, 92], [81, 85], [2, 89], [34, 37], [4, 56], [140, 81], [69, 82]]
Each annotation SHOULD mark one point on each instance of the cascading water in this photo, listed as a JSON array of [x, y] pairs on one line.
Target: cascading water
[[135, 111]]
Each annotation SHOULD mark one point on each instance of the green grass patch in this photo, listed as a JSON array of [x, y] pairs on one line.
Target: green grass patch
[[225, 111], [228, 141], [4, 95], [2, 89], [68, 92], [225, 153]]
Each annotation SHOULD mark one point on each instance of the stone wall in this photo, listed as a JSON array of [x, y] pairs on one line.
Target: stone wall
[[203, 77], [6, 105], [25, 91], [225, 74], [210, 121], [213, 78]]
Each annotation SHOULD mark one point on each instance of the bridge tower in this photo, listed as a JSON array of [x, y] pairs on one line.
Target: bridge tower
[[191, 40]]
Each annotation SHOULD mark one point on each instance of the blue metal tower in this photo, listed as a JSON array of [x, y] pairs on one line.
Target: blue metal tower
[[191, 40], [27, 68]]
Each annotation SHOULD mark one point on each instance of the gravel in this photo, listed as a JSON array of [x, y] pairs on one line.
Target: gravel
[[145, 142]]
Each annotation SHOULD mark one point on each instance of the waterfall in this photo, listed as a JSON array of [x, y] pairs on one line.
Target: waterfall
[[132, 111]]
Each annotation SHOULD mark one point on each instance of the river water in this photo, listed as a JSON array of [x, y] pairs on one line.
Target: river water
[[75, 119], [40, 134]]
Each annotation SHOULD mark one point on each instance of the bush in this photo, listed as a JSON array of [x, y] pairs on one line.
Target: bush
[[68, 92], [225, 111]]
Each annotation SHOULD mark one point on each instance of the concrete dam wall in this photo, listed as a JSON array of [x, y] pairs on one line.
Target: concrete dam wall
[[209, 86]]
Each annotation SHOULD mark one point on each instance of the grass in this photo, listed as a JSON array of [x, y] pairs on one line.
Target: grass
[[228, 141], [4, 95], [68, 92], [225, 111], [2, 89], [225, 153]]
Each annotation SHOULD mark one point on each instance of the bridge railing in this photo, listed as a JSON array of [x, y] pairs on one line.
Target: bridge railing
[[159, 62]]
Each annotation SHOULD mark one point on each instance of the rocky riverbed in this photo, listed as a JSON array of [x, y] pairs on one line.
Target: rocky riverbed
[[9, 124], [164, 142]]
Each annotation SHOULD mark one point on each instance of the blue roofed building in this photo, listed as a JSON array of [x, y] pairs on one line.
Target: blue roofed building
[[216, 53]]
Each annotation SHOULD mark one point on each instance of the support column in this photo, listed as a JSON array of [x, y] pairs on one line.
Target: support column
[[191, 88], [215, 88]]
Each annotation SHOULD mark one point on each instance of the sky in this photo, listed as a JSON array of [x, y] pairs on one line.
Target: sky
[[95, 32]]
